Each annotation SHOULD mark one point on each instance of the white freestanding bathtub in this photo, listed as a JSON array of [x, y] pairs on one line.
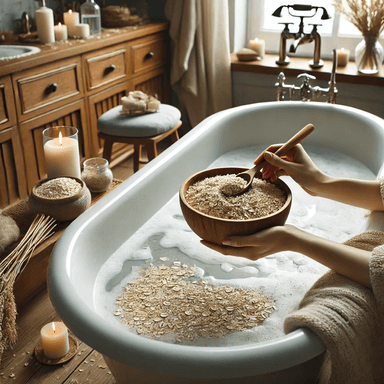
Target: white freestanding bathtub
[[100, 231]]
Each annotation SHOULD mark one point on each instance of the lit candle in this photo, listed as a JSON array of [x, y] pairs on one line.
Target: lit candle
[[342, 57], [54, 340], [258, 46], [82, 30], [71, 19], [45, 25], [62, 157], [61, 32]]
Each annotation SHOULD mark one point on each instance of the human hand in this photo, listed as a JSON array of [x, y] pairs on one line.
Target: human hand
[[257, 245], [296, 163]]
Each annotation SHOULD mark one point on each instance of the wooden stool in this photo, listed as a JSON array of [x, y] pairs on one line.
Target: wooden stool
[[148, 130]]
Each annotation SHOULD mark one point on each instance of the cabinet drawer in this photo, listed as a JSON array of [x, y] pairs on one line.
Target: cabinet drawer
[[148, 55], [48, 84], [106, 68]]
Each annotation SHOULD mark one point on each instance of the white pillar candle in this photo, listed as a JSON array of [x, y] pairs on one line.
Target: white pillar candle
[[45, 25], [71, 19], [82, 30], [342, 57], [62, 157], [54, 340], [258, 46], [61, 32]]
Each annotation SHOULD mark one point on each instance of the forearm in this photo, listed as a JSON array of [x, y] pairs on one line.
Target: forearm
[[359, 193], [343, 259]]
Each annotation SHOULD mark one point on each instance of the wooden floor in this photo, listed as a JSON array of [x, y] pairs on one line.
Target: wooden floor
[[87, 366]]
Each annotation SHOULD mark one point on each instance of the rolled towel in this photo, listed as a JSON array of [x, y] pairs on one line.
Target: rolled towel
[[138, 102]]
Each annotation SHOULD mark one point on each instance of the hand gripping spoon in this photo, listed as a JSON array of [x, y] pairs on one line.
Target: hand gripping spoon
[[249, 175]]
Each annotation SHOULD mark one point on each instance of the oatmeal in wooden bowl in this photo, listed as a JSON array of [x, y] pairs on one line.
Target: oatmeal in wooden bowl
[[213, 216]]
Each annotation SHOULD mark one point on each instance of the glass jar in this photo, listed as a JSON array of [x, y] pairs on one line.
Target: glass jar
[[90, 14], [97, 174], [369, 55]]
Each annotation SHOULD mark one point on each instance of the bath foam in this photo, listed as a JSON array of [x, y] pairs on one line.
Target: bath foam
[[285, 276]]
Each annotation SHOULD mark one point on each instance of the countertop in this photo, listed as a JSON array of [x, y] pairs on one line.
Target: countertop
[[71, 47], [347, 74]]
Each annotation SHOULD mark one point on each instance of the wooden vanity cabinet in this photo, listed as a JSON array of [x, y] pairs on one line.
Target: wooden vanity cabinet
[[13, 186], [73, 84]]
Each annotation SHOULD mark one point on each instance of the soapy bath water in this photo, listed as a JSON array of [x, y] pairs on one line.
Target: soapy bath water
[[285, 276]]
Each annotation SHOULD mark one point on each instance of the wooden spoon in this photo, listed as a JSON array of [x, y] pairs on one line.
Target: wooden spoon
[[249, 175]]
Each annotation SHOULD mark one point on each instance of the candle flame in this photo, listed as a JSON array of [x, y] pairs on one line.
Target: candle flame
[[59, 25], [70, 11], [60, 138], [53, 327]]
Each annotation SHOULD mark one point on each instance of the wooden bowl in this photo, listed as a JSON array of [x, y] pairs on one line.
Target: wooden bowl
[[214, 229]]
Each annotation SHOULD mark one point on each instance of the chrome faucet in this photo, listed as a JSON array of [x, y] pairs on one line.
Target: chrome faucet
[[305, 90], [300, 37]]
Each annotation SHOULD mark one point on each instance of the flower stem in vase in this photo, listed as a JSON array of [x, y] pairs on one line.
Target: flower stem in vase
[[369, 54]]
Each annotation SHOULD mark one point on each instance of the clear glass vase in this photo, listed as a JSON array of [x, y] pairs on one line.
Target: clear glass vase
[[369, 55], [90, 14]]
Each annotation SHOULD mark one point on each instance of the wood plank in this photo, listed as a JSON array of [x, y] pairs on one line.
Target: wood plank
[[347, 74], [93, 370]]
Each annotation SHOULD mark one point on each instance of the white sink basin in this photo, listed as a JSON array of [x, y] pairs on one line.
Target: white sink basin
[[10, 52]]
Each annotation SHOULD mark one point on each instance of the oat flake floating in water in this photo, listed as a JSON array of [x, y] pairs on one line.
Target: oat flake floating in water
[[152, 306]]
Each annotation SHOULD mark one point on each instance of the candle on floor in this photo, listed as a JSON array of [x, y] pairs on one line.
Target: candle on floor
[[61, 32], [342, 57], [82, 30], [54, 340], [61, 152], [71, 19], [258, 45]]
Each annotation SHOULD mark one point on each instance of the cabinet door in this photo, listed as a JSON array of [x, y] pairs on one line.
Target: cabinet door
[[7, 104], [153, 83], [99, 104], [31, 133], [13, 186]]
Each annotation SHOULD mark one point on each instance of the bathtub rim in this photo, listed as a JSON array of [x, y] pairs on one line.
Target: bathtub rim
[[246, 358]]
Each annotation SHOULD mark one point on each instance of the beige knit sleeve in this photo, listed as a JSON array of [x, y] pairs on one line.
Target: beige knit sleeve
[[376, 271]]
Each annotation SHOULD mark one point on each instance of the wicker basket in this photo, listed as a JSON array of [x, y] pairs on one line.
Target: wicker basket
[[115, 16]]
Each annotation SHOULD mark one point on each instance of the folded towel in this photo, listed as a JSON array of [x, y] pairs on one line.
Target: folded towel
[[349, 318], [139, 102]]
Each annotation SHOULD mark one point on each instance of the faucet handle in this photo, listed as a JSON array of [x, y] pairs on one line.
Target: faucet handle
[[306, 77], [286, 25]]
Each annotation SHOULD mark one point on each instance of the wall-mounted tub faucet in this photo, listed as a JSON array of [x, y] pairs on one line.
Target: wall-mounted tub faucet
[[300, 37], [305, 90]]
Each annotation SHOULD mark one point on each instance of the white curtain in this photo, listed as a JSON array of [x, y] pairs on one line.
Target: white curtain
[[201, 62]]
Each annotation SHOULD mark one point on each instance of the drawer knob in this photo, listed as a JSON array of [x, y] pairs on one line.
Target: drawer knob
[[109, 69], [51, 88], [149, 55]]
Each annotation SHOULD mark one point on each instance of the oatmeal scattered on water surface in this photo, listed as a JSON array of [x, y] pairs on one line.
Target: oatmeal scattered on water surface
[[166, 300], [262, 199]]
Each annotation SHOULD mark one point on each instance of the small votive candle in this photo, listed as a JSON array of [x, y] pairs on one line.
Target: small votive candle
[[71, 19], [342, 57], [258, 45], [61, 32], [82, 30], [54, 340]]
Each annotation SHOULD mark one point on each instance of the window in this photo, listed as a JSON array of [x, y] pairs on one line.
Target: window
[[335, 33]]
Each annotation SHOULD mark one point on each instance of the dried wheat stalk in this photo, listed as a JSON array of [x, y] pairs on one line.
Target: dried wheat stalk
[[10, 268], [366, 15]]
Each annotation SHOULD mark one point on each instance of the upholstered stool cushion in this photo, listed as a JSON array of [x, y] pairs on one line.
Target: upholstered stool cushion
[[115, 123]]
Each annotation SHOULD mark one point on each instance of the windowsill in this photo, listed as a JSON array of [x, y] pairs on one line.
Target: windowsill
[[298, 65]]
